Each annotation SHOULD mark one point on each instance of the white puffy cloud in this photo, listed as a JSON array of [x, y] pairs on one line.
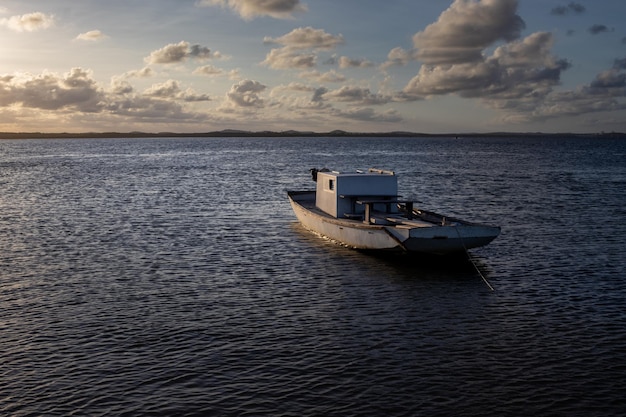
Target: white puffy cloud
[[75, 91], [249, 9], [246, 94], [515, 69], [516, 78], [299, 46], [285, 58], [143, 108], [532, 51], [178, 52], [358, 95], [519, 78], [299, 97], [208, 70], [166, 89], [28, 22], [76, 95], [120, 84], [121, 87], [307, 101], [307, 38], [465, 29], [142, 73], [398, 57], [92, 35], [458, 78], [171, 89]]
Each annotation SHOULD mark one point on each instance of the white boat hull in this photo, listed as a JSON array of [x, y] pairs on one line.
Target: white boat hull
[[449, 238]]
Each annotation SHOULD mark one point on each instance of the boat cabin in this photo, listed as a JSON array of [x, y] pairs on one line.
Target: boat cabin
[[355, 195]]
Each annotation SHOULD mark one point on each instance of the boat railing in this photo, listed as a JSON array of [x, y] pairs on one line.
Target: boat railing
[[369, 207], [355, 198]]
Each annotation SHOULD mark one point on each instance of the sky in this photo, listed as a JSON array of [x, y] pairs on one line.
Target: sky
[[430, 66]]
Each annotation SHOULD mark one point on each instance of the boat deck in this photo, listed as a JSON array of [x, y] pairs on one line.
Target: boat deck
[[380, 218]]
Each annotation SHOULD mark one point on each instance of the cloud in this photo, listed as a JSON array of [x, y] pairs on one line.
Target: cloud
[[74, 97], [246, 94], [76, 90], [358, 95], [318, 94], [234, 74], [92, 35], [455, 62], [249, 9], [298, 48], [30, 22], [465, 29], [345, 62], [514, 70], [142, 73], [307, 38], [121, 87], [531, 52], [597, 29], [143, 108], [170, 89], [178, 52], [208, 70], [518, 76], [211, 71], [77, 94], [331, 76], [611, 82], [293, 87], [604, 94], [575, 8], [398, 57], [299, 97], [285, 58]]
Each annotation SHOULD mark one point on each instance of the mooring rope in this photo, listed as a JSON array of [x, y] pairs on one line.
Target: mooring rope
[[469, 257]]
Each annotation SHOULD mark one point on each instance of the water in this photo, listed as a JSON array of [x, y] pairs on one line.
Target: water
[[169, 277]]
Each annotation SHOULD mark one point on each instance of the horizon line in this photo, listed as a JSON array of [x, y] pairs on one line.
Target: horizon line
[[289, 133]]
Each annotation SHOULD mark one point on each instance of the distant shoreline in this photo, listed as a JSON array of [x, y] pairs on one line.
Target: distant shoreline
[[294, 133]]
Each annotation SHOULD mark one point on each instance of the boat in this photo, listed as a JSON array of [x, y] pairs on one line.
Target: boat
[[362, 210]]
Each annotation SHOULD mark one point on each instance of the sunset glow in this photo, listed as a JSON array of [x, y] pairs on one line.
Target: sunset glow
[[206, 65]]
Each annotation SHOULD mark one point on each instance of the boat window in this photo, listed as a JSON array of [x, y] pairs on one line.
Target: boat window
[[331, 185]]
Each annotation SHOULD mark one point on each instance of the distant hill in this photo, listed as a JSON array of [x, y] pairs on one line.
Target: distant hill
[[293, 133]]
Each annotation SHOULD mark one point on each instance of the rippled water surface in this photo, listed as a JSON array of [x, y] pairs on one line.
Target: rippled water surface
[[169, 277]]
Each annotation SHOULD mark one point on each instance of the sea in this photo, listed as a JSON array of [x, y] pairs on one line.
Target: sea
[[169, 277]]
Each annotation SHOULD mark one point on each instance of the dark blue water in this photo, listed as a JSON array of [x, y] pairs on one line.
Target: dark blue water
[[169, 277]]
